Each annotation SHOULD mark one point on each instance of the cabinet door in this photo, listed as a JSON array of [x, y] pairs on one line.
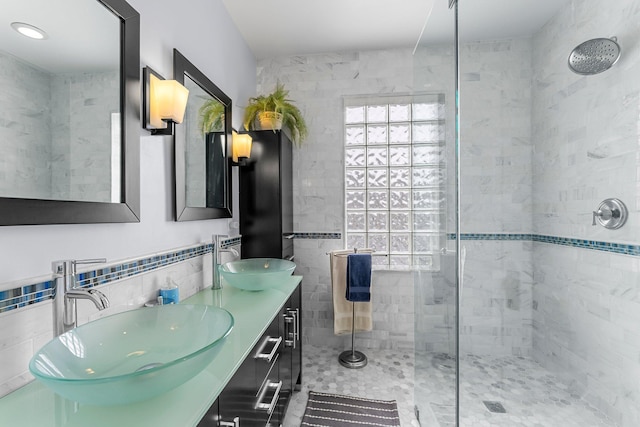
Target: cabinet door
[[291, 360], [260, 203]]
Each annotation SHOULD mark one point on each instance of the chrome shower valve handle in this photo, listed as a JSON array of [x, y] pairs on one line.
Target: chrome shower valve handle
[[611, 214]]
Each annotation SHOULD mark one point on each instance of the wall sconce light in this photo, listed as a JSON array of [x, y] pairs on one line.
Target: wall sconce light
[[165, 102], [241, 147]]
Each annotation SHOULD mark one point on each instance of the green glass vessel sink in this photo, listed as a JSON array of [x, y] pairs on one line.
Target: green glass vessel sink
[[132, 356], [256, 274]]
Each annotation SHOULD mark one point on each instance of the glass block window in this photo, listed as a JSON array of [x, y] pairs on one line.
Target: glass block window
[[395, 179]]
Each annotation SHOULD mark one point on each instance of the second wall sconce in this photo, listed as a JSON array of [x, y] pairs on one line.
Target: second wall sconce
[[241, 147], [164, 102]]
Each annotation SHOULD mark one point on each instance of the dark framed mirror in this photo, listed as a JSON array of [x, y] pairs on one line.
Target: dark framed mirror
[[71, 108], [203, 144]]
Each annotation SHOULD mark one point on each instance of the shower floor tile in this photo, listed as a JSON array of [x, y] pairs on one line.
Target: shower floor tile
[[531, 396]]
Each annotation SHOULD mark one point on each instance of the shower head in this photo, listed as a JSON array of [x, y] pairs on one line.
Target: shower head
[[594, 56]]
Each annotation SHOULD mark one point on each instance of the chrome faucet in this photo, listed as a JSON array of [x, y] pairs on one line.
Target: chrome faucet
[[215, 255], [65, 314]]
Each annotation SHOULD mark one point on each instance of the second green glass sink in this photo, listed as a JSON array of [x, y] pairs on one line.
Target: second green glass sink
[[132, 356], [256, 274]]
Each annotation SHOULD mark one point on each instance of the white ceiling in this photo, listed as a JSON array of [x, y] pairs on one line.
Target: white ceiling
[[290, 27]]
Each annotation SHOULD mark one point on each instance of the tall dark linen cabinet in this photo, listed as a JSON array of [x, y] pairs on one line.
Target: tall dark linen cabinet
[[266, 197], [266, 226]]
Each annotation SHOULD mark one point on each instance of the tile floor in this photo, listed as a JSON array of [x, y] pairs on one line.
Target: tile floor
[[530, 395], [387, 376]]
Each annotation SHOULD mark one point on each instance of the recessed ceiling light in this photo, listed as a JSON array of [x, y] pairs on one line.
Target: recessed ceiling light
[[29, 30]]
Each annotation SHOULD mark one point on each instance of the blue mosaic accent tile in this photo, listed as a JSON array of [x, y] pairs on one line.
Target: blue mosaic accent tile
[[618, 248], [38, 292], [317, 235], [11, 299], [490, 236], [232, 241], [493, 236]]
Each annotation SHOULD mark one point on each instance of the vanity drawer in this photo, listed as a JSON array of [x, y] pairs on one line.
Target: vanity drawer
[[266, 353], [269, 392]]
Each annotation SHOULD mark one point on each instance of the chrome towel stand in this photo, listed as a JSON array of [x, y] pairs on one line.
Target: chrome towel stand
[[353, 359]]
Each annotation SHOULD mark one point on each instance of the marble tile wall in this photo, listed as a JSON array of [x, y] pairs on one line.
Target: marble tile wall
[[24, 129], [55, 151], [586, 127], [585, 325], [81, 156], [495, 136], [435, 308], [496, 196], [27, 329], [585, 130], [495, 311]]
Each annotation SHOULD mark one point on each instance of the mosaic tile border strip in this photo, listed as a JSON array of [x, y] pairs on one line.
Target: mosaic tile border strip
[[23, 296], [490, 236], [317, 235], [112, 273], [231, 241], [618, 248]]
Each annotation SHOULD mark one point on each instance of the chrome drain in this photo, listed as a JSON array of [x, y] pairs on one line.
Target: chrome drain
[[495, 407]]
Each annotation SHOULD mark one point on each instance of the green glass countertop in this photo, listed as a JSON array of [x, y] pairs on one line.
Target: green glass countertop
[[34, 405]]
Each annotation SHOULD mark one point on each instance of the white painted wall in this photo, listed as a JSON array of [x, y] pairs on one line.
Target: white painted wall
[[205, 34]]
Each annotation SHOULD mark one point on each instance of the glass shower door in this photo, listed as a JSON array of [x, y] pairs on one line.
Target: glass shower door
[[435, 286]]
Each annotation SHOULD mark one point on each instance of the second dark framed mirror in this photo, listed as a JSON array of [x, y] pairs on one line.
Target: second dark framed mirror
[[202, 147]]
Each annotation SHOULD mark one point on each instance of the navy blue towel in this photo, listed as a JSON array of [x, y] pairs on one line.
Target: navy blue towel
[[358, 277]]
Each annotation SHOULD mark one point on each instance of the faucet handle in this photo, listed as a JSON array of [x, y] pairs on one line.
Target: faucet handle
[[75, 262], [89, 261], [68, 266]]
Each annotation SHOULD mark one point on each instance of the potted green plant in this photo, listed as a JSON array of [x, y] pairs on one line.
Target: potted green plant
[[211, 115], [273, 111]]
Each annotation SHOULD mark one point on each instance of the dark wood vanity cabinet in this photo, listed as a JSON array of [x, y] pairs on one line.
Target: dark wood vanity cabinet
[[266, 197], [291, 359], [259, 392]]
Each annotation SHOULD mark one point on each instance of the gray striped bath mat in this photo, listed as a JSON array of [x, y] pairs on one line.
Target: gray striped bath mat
[[334, 410]]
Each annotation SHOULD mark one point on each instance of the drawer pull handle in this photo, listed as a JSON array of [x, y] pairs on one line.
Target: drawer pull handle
[[235, 423], [268, 356], [269, 407], [295, 315], [289, 323]]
